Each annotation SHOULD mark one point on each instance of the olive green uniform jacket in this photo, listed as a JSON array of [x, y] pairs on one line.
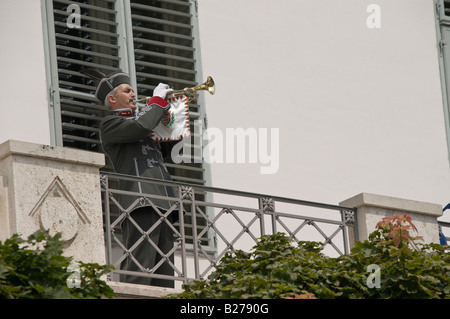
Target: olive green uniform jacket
[[126, 141]]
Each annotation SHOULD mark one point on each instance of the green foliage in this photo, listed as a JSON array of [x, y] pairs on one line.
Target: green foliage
[[36, 268], [277, 268]]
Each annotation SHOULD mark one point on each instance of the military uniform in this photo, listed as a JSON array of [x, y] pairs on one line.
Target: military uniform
[[126, 141]]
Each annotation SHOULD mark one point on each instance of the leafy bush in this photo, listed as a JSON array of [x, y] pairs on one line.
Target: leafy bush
[[276, 268], [35, 268]]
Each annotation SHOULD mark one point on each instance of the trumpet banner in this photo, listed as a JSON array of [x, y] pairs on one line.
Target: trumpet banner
[[174, 125]]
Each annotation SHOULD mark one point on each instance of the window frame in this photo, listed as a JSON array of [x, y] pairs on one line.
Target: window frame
[[443, 43]]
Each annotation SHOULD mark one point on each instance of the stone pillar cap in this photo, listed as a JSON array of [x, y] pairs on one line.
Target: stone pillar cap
[[13, 147], [393, 203]]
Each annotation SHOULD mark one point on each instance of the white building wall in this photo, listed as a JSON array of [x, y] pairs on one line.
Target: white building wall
[[358, 109], [24, 101]]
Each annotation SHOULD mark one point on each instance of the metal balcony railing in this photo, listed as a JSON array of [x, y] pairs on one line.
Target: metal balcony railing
[[215, 221]]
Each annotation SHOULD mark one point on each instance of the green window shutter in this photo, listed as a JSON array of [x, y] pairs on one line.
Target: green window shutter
[[164, 52], [163, 44], [95, 44]]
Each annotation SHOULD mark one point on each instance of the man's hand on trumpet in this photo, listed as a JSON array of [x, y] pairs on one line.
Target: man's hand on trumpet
[[162, 90]]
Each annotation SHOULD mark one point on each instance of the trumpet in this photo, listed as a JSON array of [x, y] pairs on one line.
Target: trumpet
[[208, 85]]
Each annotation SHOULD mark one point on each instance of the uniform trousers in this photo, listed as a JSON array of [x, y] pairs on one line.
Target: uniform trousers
[[145, 253]]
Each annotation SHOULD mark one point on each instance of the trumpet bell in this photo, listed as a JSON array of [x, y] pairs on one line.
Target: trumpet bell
[[208, 85]]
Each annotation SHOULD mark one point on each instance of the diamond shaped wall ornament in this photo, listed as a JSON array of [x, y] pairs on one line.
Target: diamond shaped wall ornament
[[58, 211]]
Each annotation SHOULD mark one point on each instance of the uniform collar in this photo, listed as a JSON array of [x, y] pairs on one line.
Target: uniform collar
[[127, 112]]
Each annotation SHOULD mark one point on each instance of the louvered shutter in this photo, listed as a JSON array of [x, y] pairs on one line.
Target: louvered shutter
[[95, 45], [164, 52]]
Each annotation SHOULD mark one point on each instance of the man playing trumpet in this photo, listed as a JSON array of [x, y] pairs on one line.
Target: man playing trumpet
[[125, 137]]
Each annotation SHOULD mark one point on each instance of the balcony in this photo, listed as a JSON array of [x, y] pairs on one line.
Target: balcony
[[63, 190]]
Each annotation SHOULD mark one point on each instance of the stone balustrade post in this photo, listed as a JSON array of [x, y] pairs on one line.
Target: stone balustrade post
[[56, 189], [371, 208]]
